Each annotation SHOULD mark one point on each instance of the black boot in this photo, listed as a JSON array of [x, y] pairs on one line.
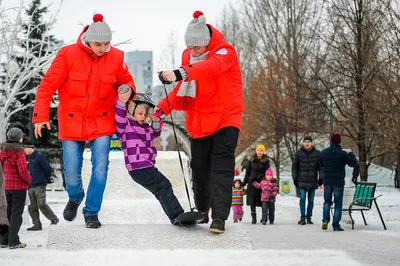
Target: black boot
[[36, 227], [92, 221], [70, 211], [254, 218], [302, 222]]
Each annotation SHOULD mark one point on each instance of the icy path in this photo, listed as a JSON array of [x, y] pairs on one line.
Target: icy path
[[136, 232]]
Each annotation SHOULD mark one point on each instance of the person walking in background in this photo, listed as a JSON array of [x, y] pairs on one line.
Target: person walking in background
[[306, 174], [269, 190], [40, 171], [86, 75], [237, 200], [16, 183], [333, 162], [255, 171], [209, 78], [4, 223]]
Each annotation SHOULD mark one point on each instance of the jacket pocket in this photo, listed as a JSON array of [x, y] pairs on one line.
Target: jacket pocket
[[107, 86], [77, 84], [71, 125], [105, 120]]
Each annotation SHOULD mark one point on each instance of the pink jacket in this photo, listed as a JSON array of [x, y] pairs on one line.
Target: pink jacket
[[269, 189]]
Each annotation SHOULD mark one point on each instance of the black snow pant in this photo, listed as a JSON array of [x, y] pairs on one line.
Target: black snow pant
[[268, 211], [15, 208], [155, 182], [213, 163]]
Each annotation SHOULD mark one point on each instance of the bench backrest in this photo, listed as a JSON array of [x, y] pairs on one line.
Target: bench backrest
[[364, 193]]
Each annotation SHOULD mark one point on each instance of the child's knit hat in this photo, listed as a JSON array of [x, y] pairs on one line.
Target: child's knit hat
[[269, 172]]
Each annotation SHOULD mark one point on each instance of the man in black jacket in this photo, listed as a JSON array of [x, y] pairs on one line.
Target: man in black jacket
[[40, 170], [333, 161], [306, 174]]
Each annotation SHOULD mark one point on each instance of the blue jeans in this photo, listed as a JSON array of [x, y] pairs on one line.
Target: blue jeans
[[310, 202], [73, 159], [337, 192]]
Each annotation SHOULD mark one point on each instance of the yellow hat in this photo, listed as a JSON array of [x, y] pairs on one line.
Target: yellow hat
[[260, 147]]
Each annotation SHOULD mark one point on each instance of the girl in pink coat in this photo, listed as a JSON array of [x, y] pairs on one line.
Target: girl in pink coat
[[268, 196]]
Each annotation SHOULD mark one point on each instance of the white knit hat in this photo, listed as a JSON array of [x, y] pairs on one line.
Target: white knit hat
[[98, 31], [197, 32]]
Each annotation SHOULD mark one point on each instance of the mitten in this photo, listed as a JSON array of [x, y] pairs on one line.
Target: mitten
[[271, 198], [163, 81]]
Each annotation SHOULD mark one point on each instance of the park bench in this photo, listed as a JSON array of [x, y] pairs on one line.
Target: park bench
[[364, 196]]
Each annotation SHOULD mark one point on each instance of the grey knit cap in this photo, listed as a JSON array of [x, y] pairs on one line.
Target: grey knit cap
[[14, 134], [98, 31], [197, 32]]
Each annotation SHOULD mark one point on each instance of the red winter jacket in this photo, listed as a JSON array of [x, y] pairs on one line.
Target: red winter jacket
[[87, 85], [219, 95], [13, 161]]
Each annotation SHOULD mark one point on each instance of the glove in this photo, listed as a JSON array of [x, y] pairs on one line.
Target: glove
[[163, 81], [319, 182], [123, 89], [271, 198], [296, 182]]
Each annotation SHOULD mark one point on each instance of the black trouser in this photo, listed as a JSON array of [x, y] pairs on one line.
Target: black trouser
[[15, 209], [268, 211], [155, 182], [213, 163]]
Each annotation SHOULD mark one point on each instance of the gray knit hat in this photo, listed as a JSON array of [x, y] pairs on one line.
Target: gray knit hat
[[14, 134], [98, 31], [197, 32]]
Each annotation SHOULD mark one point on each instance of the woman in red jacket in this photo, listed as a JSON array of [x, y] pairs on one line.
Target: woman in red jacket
[[209, 90], [87, 75], [16, 183]]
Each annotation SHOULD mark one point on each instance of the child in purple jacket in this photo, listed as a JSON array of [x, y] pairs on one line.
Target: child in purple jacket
[[137, 141], [268, 196]]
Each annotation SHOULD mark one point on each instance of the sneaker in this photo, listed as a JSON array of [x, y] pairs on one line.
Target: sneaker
[[35, 228], [325, 226], [340, 229], [20, 245], [302, 222], [217, 226], [92, 221], [309, 221], [70, 211], [206, 218], [54, 221]]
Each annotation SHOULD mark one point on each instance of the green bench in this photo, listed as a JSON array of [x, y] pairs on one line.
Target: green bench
[[364, 196]]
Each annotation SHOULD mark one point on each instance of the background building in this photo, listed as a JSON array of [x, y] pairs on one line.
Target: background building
[[140, 64]]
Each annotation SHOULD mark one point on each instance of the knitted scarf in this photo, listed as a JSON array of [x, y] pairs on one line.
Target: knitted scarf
[[187, 91]]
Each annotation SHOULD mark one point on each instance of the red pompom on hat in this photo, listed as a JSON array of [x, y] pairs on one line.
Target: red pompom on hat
[[197, 14], [98, 17]]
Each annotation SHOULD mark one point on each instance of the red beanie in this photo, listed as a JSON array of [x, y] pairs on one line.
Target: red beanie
[[336, 138]]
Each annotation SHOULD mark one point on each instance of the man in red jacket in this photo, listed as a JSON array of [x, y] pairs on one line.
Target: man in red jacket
[[87, 75], [209, 90]]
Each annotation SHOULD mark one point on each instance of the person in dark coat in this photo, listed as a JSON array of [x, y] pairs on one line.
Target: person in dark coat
[[40, 171], [306, 174], [255, 172], [333, 161]]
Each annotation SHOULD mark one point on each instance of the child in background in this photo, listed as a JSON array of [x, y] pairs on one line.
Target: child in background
[[137, 140], [268, 196], [237, 201]]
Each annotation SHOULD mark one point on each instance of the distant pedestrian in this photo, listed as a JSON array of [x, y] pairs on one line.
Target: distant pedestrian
[[237, 200], [269, 190]]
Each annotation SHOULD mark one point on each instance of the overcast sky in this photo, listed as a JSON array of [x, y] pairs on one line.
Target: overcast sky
[[147, 22]]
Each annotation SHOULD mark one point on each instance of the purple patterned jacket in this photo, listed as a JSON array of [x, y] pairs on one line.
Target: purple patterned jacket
[[137, 141]]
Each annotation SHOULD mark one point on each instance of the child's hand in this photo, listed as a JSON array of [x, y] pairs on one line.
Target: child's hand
[[153, 117]]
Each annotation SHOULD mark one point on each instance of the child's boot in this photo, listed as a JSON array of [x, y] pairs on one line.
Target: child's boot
[[254, 218]]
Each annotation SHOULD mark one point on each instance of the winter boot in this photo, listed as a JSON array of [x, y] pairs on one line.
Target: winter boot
[[36, 227], [302, 222], [325, 226], [254, 218], [70, 211], [206, 219], [235, 221], [309, 221], [54, 221], [340, 229], [92, 221], [217, 226]]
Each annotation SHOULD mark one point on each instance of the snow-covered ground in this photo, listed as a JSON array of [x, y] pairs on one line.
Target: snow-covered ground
[[136, 232]]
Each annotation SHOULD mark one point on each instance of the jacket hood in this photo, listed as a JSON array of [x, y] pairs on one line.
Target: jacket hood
[[7, 149], [216, 38]]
